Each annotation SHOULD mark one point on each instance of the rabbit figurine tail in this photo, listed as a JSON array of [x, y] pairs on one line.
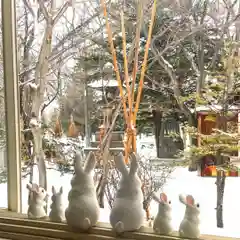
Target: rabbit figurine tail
[[83, 208], [86, 224], [119, 227], [127, 213]]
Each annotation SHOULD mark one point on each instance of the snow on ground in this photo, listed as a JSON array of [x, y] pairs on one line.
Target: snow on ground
[[181, 181]]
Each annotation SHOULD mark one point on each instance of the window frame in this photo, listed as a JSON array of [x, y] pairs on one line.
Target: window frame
[[18, 226], [12, 106], [14, 224]]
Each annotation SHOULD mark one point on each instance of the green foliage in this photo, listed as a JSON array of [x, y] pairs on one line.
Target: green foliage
[[220, 89]]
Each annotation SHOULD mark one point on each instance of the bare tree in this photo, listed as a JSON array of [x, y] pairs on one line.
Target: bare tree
[[43, 55]]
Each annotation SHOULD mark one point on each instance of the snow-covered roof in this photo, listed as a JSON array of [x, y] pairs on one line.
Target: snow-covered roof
[[213, 108], [100, 83]]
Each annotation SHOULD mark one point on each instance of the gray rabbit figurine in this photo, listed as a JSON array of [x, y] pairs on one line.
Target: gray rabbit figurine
[[36, 201], [57, 213], [83, 208], [162, 221], [127, 213], [189, 227]]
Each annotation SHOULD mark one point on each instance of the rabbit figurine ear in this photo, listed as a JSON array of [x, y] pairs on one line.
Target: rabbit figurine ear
[[134, 164], [53, 190], [120, 164], [163, 197], [90, 162], [61, 190], [190, 200], [77, 162], [33, 187], [182, 199], [155, 198]]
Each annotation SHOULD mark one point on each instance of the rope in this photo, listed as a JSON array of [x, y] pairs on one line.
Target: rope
[[129, 141]]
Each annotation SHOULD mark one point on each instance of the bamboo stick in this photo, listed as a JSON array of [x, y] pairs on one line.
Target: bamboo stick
[[145, 60], [115, 64], [131, 117], [130, 105], [138, 31], [126, 67], [135, 68]]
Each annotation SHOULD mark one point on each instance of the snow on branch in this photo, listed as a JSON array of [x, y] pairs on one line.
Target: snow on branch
[[60, 13], [43, 9]]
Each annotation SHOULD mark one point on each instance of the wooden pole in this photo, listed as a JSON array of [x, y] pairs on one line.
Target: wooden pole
[[126, 67], [145, 60], [239, 134], [114, 56], [199, 128], [128, 140], [134, 73], [130, 117], [135, 65]]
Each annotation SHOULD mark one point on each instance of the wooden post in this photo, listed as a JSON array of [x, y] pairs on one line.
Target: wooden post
[[239, 134], [199, 129], [86, 115]]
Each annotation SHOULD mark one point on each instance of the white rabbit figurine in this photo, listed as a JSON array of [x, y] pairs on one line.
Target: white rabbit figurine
[[162, 222], [127, 213], [36, 201], [83, 209], [189, 227], [57, 213]]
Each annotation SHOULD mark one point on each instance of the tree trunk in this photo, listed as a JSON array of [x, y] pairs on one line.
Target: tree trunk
[[220, 191], [157, 120]]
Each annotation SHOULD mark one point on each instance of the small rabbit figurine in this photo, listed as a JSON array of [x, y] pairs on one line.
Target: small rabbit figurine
[[162, 222], [36, 201], [127, 213], [83, 209], [57, 213], [189, 227]]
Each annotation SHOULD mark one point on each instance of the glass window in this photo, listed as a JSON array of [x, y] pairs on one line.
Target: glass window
[[3, 157], [82, 88]]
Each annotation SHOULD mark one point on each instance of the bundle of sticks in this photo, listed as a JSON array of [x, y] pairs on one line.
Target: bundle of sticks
[[130, 105]]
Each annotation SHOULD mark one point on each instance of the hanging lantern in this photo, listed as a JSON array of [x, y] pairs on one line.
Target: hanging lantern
[[210, 118], [71, 128], [58, 128]]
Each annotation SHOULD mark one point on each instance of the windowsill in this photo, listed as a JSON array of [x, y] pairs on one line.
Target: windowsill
[[18, 226]]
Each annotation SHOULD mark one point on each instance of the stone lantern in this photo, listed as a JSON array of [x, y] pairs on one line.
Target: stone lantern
[[108, 70]]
